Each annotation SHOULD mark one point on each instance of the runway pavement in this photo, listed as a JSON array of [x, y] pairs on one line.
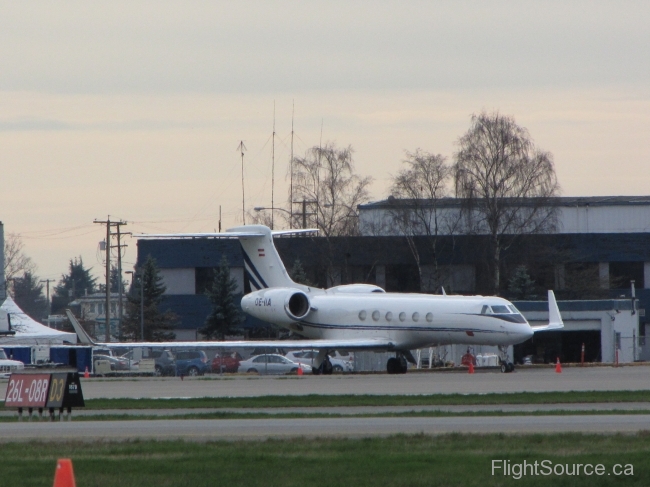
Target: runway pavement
[[530, 380], [259, 429], [523, 380], [639, 407]]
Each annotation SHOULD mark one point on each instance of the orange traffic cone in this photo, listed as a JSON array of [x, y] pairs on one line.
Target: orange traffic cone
[[86, 373], [63, 475], [558, 366], [299, 369], [471, 367]]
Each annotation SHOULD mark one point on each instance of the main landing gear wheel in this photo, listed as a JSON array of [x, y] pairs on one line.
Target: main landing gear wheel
[[396, 365], [324, 368]]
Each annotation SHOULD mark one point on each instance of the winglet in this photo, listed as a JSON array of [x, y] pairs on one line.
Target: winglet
[[554, 317], [81, 333]]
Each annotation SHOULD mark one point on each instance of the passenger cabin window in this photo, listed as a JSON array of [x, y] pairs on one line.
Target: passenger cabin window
[[362, 315], [402, 316], [375, 315], [416, 316], [499, 309], [429, 317], [389, 316]]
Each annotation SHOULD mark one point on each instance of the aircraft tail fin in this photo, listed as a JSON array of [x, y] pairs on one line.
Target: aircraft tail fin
[[554, 317], [261, 259], [81, 333], [262, 262]]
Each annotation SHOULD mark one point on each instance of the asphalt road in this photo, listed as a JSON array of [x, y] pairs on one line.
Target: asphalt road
[[259, 429], [531, 380]]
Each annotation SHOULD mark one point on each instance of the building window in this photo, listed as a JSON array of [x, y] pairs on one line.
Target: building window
[[204, 277], [91, 308], [621, 273]]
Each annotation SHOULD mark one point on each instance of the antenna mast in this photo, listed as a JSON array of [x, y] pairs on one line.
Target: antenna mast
[[273, 169], [291, 168], [241, 149]]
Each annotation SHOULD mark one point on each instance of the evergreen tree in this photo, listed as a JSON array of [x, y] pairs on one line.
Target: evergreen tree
[[158, 326], [28, 295], [226, 315], [520, 285], [76, 283], [298, 273], [115, 281]]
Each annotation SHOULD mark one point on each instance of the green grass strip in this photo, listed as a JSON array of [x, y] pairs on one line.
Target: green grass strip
[[316, 400], [262, 415], [449, 460]]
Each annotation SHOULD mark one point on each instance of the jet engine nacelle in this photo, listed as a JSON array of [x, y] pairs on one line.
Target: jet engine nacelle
[[281, 306]]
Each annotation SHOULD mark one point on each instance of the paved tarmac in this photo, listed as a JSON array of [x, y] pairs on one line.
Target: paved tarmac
[[640, 407], [530, 380], [259, 429], [523, 380]]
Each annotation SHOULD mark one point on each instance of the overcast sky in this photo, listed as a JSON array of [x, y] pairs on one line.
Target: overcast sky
[[135, 109]]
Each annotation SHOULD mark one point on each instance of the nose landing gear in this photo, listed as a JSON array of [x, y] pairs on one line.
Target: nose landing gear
[[506, 365]]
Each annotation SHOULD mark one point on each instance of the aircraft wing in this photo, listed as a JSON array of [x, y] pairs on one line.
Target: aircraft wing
[[554, 318], [341, 344], [352, 344]]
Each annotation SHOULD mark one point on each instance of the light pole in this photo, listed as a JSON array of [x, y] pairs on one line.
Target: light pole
[[140, 276], [260, 208]]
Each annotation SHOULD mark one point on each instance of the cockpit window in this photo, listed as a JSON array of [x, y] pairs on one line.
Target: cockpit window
[[513, 309], [485, 310], [500, 309]]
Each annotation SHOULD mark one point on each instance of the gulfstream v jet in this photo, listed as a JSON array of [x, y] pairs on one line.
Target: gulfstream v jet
[[362, 316]]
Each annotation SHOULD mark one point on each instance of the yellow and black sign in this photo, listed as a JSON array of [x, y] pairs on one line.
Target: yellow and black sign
[[44, 390]]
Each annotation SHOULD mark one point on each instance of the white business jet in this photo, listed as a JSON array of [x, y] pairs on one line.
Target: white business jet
[[360, 316]]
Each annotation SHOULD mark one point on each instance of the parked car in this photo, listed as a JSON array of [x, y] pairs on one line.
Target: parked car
[[164, 360], [307, 357], [191, 362], [117, 363], [7, 366], [271, 364], [226, 362]]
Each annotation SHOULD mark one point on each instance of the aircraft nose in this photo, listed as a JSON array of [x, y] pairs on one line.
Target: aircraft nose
[[527, 332]]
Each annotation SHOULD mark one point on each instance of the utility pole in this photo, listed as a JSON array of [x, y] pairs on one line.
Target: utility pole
[[47, 286], [119, 246], [108, 224]]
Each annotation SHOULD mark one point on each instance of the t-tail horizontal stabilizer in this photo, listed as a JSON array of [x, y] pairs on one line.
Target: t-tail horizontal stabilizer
[[554, 318], [84, 338]]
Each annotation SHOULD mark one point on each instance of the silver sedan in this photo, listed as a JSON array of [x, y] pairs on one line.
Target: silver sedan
[[271, 364]]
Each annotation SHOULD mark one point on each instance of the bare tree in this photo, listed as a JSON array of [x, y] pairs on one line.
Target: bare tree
[[331, 191], [417, 191], [16, 262], [506, 182]]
